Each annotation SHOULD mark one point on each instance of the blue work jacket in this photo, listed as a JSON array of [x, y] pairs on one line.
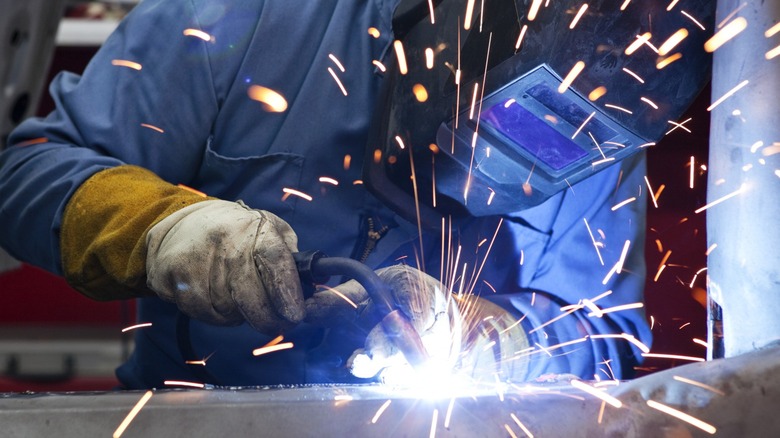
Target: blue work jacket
[[213, 137]]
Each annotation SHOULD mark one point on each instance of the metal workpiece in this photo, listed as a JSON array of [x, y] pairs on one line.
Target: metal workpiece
[[744, 267], [728, 397]]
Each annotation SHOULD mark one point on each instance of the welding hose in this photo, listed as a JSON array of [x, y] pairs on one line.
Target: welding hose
[[314, 267]]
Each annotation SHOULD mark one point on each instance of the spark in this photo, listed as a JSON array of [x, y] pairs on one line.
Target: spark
[[126, 63], [724, 35], [509, 431], [272, 100], [374, 32], [490, 197], [190, 189], [602, 161], [601, 411], [201, 362], [597, 93], [434, 421], [583, 124], [338, 81], [630, 338], [662, 265], [597, 145], [696, 276], [274, 341], [695, 21], [152, 127], [699, 384], [131, 415], [567, 81], [33, 141], [682, 416], [684, 325], [137, 326], [673, 356], [594, 308], [347, 161], [721, 199], [401, 56], [272, 348], [569, 312], [621, 308], [596, 393], [448, 415], [649, 102], [731, 15], [577, 17], [380, 411], [474, 100], [469, 15], [400, 142], [430, 8], [520, 37], [679, 125], [624, 5], [379, 65], [666, 61], [420, 93], [647, 145], [329, 180], [692, 173], [521, 426], [650, 190], [621, 204], [652, 322], [429, 58], [700, 342], [184, 383], [198, 34], [619, 108], [337, 62], [671, 5], [297, 193], [622, 259], [772, 30], [534, 9], [771, 150], [640, 40], [593, 239], [777, 173]]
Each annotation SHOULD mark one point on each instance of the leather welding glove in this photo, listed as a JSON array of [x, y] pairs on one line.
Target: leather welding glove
[[127, 233], [492, 339], [223, 263], [418, 296]]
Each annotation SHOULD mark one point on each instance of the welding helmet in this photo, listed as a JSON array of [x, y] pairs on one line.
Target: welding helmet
[[489, 107]]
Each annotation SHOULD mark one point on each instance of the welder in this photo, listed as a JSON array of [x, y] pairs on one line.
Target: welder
[[100, 192]]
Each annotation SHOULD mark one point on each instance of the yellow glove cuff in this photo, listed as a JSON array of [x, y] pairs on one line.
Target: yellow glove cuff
[[104, 226]]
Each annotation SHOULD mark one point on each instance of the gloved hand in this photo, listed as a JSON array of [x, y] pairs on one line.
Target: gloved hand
[[419, 296], [457, 332], [492, 337], [223, 263]]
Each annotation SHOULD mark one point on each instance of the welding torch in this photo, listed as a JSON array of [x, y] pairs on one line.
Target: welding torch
[[314, 267]]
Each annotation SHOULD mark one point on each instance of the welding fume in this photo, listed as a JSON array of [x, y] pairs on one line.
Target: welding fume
[[220, 161]]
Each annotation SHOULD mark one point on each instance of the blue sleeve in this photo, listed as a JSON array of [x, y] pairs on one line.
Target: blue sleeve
[[148, 98], [572, 262]]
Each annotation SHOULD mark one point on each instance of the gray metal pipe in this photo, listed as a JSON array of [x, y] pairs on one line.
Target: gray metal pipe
[[744, 268]]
